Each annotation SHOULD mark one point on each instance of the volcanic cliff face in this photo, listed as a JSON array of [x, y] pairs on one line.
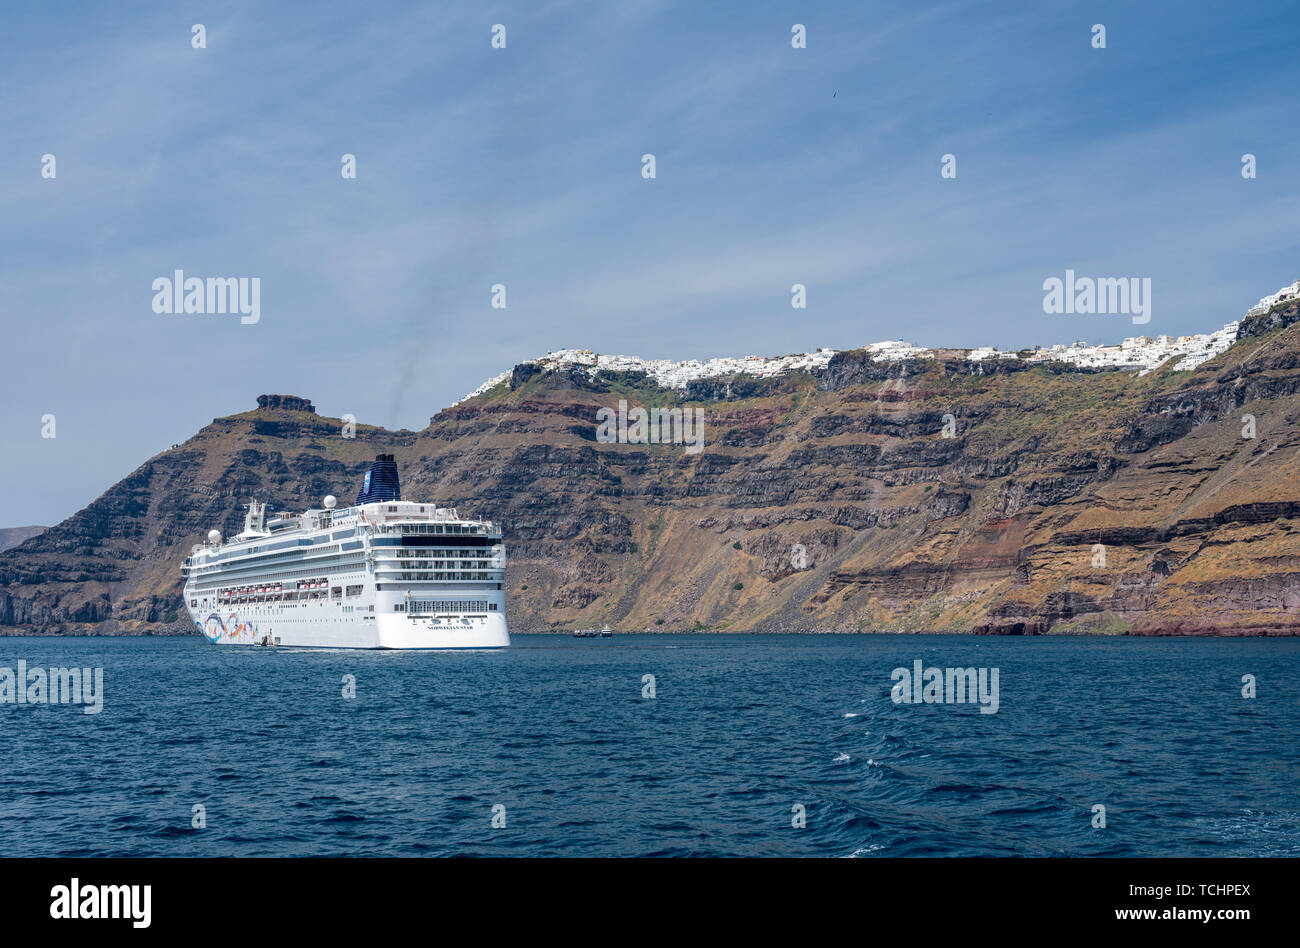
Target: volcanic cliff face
[[935, 494]]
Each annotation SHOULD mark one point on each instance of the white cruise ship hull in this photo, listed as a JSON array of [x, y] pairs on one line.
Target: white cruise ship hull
[[313, 626]]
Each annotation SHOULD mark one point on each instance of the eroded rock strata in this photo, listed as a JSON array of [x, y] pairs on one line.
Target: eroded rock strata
[[826, 498]]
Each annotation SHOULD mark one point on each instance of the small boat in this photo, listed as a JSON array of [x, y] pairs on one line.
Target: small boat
[[585, 633], [606, 632]]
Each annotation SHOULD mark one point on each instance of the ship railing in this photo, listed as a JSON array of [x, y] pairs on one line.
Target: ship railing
[[409, 528]]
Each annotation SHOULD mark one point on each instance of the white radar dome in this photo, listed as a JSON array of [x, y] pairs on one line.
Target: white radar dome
[[330, 502], [214, 536]]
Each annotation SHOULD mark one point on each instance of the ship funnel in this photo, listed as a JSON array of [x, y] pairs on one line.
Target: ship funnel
[[381, 481]]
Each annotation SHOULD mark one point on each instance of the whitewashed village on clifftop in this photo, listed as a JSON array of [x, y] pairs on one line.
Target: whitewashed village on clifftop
[[1141, 353]]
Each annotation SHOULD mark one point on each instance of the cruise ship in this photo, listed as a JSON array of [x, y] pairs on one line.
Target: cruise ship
[[384, 574]]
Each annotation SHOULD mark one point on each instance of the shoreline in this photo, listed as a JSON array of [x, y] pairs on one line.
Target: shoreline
[[1254, 632]]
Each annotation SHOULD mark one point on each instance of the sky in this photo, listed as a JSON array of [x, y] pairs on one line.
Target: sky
[[522, 166]]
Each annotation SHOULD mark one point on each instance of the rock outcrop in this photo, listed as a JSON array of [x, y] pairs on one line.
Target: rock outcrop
[[285, 403]]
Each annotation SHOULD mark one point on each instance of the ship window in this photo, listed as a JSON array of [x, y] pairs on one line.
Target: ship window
[[194, 602], [399, 607]]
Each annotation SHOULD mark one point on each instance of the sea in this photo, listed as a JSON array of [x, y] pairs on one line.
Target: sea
[[661, 745]]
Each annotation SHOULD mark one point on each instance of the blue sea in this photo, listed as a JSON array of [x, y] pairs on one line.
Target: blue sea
[[556, 742]]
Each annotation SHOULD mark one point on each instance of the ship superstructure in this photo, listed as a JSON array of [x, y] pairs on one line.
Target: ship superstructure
[[382, 573]]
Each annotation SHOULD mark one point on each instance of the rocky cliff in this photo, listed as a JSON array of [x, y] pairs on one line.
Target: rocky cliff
[[936, 494]]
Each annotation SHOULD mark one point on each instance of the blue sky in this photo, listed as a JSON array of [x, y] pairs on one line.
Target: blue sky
[[522, 166]]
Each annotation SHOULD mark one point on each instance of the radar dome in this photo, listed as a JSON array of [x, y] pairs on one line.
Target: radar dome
[[214, 536], [330, 501]]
